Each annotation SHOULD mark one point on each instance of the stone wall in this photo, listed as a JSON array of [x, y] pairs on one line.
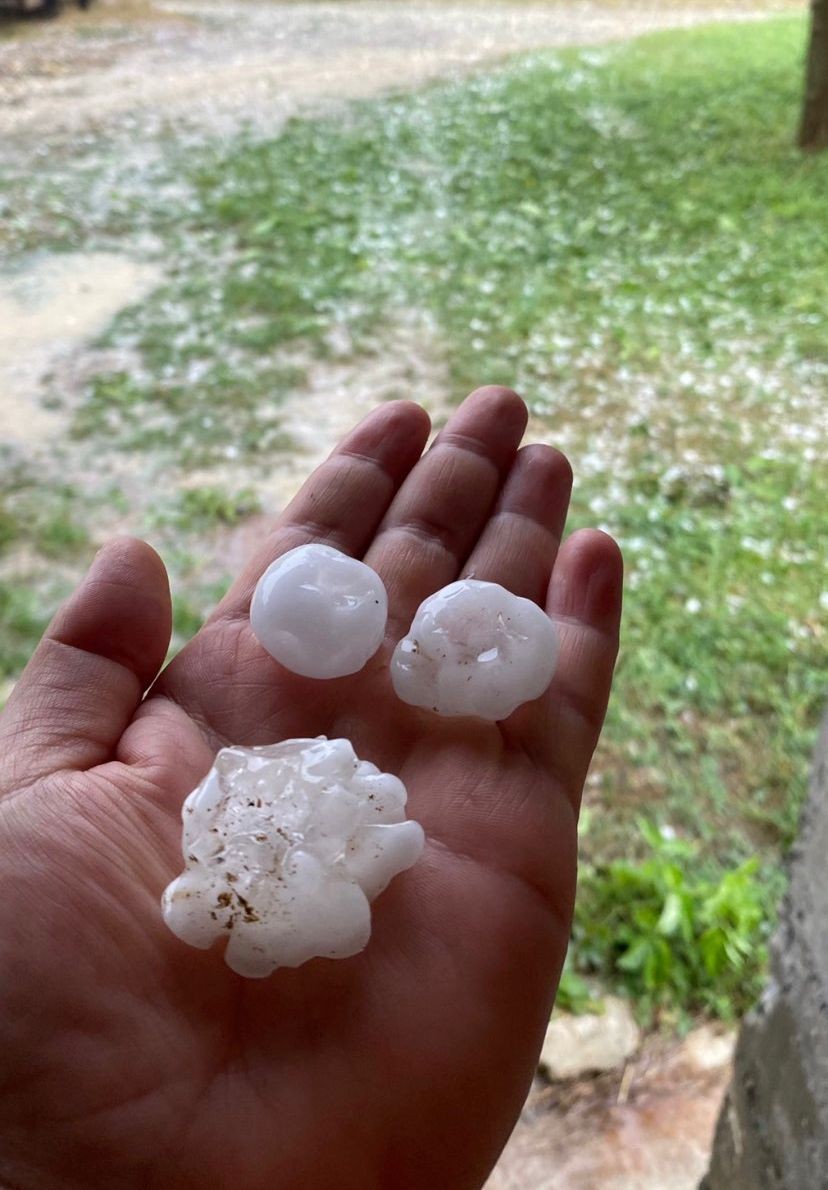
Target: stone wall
[[773, 1129]]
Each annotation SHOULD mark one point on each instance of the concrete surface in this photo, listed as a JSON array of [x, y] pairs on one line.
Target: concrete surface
[[773, 1130]]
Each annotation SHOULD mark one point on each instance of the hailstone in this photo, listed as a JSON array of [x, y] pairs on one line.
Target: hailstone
[[475, 648], [285, 846], [319, 612]]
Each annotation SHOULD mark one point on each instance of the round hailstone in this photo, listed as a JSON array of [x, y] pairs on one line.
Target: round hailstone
[[285, 846], [319, 612], [474, 648]]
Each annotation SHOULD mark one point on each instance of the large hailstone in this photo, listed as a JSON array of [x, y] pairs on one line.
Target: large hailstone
[[285, 846], [474, 648], [319, 612]]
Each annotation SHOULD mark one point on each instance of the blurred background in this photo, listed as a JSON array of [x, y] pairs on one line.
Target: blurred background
[[228, 229]]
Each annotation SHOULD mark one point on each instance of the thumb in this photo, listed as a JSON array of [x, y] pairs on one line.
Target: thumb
[[91, 669]]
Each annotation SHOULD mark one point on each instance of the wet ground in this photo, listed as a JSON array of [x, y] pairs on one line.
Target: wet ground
[[49, 305], [647, 1127]]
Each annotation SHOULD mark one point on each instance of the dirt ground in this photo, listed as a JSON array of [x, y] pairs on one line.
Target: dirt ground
[[110, 80], [647, 1127]]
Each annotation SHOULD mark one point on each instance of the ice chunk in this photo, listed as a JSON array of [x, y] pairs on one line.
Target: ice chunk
[[285, 846], [474, 648], [319, 612]]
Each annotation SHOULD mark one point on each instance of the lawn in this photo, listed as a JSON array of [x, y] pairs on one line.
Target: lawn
[[627, 236]]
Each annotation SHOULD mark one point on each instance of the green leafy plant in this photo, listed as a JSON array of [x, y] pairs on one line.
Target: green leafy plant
[[575, 994], [671, 936]]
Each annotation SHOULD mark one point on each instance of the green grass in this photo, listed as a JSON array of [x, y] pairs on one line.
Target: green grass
[[628, 236], [635, 201], [24, 613], [204, 507], [42, 534], [44, 516]]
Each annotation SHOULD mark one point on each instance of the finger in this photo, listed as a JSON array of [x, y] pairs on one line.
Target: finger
[[441, 508], [584, 600], [518, 546], [89, 672], [346, 497]]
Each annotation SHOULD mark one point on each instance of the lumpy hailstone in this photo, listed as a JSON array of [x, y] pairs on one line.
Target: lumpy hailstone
[[319, 612], [285, 846], [474, 648]]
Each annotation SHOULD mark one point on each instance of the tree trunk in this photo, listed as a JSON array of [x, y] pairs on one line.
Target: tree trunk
[[813, 131]]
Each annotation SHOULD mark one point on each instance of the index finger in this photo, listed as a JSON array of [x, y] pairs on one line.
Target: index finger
[[345, 498]]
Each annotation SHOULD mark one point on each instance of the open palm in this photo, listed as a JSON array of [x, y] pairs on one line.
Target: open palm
[[128, 1059]]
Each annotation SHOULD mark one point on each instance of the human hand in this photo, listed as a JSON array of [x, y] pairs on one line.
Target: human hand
[[129, 1059]]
